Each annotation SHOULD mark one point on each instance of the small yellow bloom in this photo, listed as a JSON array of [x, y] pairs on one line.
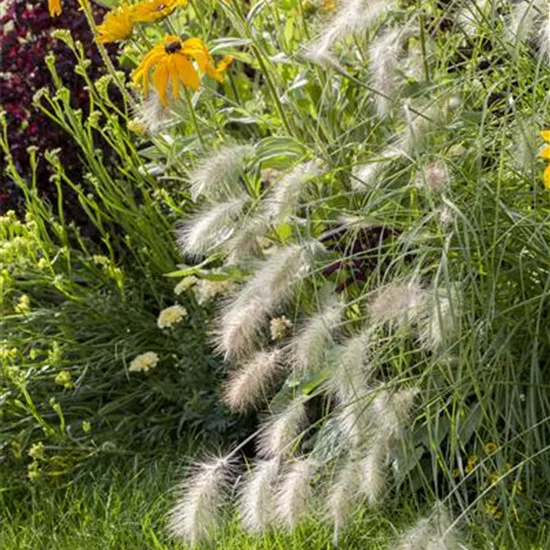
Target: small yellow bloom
[[144, 362], [117, 25], [64, 379], [154, 10], [492, 510], [472, 461], [170, 316], [494, 478], [490, 447], [545, 155], [23, 305], [518, 486], [86, 427], [37, 451], [171, 63], [545, 135], [456, 473]]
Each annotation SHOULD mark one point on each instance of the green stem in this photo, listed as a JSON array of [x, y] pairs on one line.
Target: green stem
[[194, 117]]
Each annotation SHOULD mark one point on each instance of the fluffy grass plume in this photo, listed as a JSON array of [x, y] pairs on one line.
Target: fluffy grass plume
[[294, 492], [315, 338], [197, 509], [216, 174], [210, 228], [257, 498], [248, 385], [279, 432], [284, 198], [401, 303], [350, 375], [433, 532], [374, 474], [351, 17], [343, 494], [385, 52], [242, 320]]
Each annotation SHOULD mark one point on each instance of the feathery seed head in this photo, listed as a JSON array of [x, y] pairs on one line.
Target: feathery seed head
[[343, 495], [245, 241], [152, 114], [402, 303], [197, 509], [216, 174], [284, 198], [257, 499], [441, 318], [293, 492], [241, 321], [374, 474], [350, 376], [350, 17], [315, 338], [391, 412], [280, 432], [249, 384], [385, 53], [210, 228], [433, 176]]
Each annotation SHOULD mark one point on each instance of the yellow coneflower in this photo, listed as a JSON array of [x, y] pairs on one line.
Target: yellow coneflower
[[117, 25], [154, 10], [172, 62], [545, 155]]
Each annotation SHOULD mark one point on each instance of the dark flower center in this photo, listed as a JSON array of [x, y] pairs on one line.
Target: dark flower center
[[173, 47], [161, 7]]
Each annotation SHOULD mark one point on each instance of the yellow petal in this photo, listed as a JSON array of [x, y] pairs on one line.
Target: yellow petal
[[545, 135], [545, 152], [160, 81], [174, 77], [187, 72], [54, 7], [546, 177]]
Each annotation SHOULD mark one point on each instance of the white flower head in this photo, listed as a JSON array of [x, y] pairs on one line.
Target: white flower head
[[170, 316], [144, 362]]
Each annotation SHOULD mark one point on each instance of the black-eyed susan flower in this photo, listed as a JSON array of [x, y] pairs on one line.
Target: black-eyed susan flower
[[545, 155], [472, 461], [117, 25], [154, 10], [171, 62]]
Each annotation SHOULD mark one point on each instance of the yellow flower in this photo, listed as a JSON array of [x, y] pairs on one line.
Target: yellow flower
[[117, 25], [54, 6], [37, 451], [154, 10], [545, 155], [170, 316], [456, 473], [472, 461], [144, 362], [86, 427], [171, 62], [490, 447], [64, 379]]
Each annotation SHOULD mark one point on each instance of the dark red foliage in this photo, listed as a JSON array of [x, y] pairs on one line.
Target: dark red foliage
[[25, 40]]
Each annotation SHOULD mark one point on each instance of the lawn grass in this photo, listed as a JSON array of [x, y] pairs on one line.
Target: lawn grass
[[123, 506]]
